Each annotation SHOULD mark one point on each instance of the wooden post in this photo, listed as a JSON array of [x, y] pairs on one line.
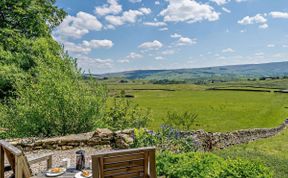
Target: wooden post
[[95, 166], [152, 164], [146, 164], [18, 168], [49, 162], [2, 156]]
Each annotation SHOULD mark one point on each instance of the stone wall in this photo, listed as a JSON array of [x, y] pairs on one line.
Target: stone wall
[[208, 141], [99, 138], [205, 141]]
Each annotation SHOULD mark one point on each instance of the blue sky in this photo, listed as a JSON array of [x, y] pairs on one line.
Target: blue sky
[[119, 35]]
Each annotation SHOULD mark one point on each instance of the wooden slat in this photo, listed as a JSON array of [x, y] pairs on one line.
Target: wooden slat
[[125, 157], [130, 163], [132, 175], [95, 167], [119, 152], [25, 166], [2, 167], [101, 164], [11, 158], [18, 168], [49, 162], [15, 151], [18, 161], [152, 164], [146, 162], [127, 170], [125, 164]]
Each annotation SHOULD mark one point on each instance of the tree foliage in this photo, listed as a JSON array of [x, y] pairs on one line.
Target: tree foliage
[[124, 114], [41, 90]]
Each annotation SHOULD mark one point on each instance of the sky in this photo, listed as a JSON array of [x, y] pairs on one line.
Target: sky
[[122, 35]]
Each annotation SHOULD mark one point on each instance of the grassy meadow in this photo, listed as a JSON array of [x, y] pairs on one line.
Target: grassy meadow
[[217, 110], [220, 111]]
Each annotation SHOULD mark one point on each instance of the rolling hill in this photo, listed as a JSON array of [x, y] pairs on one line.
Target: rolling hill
[[210, 73]]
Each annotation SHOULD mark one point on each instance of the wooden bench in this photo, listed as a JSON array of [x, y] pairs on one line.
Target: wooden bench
[[125, 164], [19, 163]]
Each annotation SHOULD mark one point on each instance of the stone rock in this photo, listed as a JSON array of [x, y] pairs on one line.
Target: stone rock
[[102, 133], [123, 141]]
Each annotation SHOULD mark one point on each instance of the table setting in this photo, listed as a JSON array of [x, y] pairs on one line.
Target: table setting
[[64, 170]]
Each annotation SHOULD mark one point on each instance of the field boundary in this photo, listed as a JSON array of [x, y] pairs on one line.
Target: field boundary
[[208, 141]]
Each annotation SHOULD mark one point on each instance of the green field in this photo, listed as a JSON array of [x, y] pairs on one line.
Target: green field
[[217, 110], [220, 111]]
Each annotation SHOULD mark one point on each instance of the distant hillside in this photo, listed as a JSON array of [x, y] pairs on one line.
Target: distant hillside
[[209, 73]]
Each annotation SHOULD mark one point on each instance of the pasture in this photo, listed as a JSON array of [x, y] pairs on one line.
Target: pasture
[[217, 110], [220, 111]]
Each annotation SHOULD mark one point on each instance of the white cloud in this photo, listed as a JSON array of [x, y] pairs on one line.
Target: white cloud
[[257, 19], [240, 1], [168, 52], [226, 10], [86, 46], [270, 45], [283, 15], [98, 44], [284, 46], [90, 64], [259, 54], [112, 8], [151, 45], [133, 55], [130, 56], [145, 10], [264, 26], [228, 50], [157, 2], [159, 58], [176, 35], [188, 11], [220, 2], [251, 20], [243, 31], [163, 29], [129, 16], [73, 48], [79, 25], [155, 24], [183, 41], [135, 1]]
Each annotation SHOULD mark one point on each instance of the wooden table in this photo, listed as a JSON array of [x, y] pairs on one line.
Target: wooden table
[[70, 173]]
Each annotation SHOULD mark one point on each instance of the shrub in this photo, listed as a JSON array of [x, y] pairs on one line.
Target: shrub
[[183, 121], [57, 102], [207, 165], [166, 138], [124, 114]]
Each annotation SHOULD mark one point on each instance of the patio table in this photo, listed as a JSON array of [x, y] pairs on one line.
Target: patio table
[[70, 173]]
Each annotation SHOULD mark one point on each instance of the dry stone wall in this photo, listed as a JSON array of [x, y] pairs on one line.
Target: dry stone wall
[[208, 141], [205, 141]]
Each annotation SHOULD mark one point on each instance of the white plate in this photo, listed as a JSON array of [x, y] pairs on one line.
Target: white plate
[[79, 175], [52, 174]]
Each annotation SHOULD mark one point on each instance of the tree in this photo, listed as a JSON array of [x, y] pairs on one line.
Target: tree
[[22, 23], [41, 90]]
